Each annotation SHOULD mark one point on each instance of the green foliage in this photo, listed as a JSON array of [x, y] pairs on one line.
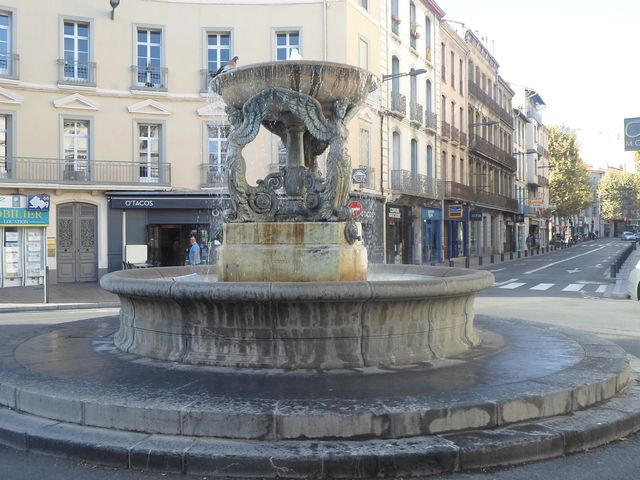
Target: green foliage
[[569, 178], [618, 195]]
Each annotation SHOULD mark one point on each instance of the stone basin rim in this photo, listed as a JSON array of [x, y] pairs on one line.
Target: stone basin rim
[[438, 282]]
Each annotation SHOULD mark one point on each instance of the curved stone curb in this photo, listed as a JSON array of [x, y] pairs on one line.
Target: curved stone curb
[[595, 375], [526, 442]]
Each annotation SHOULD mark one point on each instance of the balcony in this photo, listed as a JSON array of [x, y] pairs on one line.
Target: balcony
[[416, 184], [398, 104], [61, 171], [149, 78], [496, 154], [476, 91], [459, 191], [445, 130], [213, 176], [497, 201], [415, 113], [455, 134], [431, 121], [463, 139], [76, 73], [9, 65]]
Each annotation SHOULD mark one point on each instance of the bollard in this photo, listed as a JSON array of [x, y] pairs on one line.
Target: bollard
[[526, 253], [510, 255], [518, 253], [538, 251], [480, 260], [502, 257], [451, 264], [492, 258], [467, 262]]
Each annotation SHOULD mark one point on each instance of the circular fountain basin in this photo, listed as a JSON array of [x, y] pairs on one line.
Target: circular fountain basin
[[324, 81], [401, 315]]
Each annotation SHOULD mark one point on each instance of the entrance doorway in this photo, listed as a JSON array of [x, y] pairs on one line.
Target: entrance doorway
[[169, 244], [77, 244]]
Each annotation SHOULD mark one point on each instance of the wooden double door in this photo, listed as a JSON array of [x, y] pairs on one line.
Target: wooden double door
[[77, 242]]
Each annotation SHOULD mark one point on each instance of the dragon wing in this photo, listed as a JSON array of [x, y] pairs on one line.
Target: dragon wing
[[247, 125], [309, 110]]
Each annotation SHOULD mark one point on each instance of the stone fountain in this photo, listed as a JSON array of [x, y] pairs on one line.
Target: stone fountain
[[293, 358], [293, 289]]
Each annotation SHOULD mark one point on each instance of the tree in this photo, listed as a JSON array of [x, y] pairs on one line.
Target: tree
[[569, 185], [618, 195]]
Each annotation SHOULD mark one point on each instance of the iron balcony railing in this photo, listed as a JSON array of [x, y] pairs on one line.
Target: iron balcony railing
[[476, 91], [149, 78], [431, 120], [213, 175], [445, 129], [459, 191], [496, 201], [417, 184], [9, 65], [398, 103], [415, 113], [82, 171], [455, 134], [486, 148], [76, 73]]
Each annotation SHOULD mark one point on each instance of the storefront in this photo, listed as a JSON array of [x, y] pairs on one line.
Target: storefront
[[399, 234], [369, 211], [456, 230], [23, 223], [164, 222], [431, 238]]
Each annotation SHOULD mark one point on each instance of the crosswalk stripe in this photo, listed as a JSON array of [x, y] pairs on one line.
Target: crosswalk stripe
[[513, 285], [573, 287], [497, 284], [601, 289], [542, 286]]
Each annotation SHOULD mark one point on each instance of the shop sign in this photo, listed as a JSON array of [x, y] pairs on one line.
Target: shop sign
[[39, 203], [22, 216], [12, 201], [536, 201], [394, 212], [631, 134], [169, 203], [475, 215], [360, 175], [455, 211]]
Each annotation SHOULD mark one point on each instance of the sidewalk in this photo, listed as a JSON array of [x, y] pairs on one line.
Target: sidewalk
[[62, 296], [66, 296]]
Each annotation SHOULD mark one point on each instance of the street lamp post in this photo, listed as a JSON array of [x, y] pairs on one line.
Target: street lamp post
[[411, 73]]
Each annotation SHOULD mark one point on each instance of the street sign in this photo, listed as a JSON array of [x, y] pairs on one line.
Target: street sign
[[356, 208], [475, 215], [536, 201], [360, 175]]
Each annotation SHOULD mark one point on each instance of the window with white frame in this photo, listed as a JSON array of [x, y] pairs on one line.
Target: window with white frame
[[5, 121], [363, 51], [217, 141], [218, 50], [364, 4], [149, 60], [5, 43], [76, 51], [76, 145], [365, 147], [286, 43], [149, 136]]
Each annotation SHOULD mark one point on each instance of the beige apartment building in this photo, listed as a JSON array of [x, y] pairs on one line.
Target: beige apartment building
[[110, 138], [411, 32]]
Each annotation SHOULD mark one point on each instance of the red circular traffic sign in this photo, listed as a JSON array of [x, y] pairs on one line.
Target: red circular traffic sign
[[356, 208]]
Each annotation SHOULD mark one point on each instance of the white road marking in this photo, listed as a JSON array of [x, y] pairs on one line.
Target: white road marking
[[562, 261], [513, 285], [498, 269], [542, 286], [601, 289], [497, 284], [573, 287], [574, 270]]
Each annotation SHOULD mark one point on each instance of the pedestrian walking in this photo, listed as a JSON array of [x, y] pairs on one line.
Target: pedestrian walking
[[194, 252]]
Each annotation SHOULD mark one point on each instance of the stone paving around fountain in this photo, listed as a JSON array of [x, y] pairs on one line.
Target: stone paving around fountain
[[530, 392]]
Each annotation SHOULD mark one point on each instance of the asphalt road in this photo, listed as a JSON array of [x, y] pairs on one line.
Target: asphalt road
[[617, 320]]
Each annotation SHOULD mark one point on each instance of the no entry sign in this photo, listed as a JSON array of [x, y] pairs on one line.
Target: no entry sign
[[356, 208]]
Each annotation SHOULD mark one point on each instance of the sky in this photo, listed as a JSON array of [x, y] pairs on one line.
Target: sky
[[581, 56]]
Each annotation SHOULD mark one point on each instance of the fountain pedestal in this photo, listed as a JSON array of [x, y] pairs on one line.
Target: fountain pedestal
[[290, 252]]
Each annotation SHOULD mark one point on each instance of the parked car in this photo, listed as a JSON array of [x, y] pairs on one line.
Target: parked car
[[628, 236], [634, 283]]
